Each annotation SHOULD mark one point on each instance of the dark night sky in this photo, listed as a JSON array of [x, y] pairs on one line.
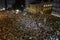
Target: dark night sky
[[10, 2]]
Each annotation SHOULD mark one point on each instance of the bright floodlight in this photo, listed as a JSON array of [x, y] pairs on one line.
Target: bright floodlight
[[17, 11], [3, 9]]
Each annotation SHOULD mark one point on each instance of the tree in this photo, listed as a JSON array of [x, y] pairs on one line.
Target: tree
[[19, 4]]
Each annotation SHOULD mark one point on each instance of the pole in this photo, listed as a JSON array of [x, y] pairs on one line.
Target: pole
[[5, 4]]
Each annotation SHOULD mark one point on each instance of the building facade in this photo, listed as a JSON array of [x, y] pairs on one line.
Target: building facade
[[56, 8]]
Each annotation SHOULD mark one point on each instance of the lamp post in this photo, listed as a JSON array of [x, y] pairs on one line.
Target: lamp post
[[26, 3]]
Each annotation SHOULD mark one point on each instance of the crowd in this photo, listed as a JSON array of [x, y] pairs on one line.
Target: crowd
[[28, 27]]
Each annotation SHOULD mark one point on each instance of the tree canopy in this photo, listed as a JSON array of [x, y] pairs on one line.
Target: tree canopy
[[19, 4]]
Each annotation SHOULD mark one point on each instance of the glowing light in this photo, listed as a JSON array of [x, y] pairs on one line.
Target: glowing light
[[3, 9], [17, 11]]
